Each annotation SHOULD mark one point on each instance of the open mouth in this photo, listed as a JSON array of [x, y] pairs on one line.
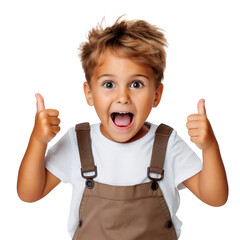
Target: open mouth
[[122, 119]]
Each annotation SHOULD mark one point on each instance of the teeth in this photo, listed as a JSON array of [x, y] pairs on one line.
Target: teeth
[[114, 113], [121, 112]]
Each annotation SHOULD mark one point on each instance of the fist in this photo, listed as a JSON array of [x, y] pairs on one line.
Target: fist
[[199, 128], [46, 122]]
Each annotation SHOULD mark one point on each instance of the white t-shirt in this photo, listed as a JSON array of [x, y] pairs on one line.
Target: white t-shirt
[[122, 164]]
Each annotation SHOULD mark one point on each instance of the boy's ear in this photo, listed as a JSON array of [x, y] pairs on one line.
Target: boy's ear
[[158, 95], [88, 93]]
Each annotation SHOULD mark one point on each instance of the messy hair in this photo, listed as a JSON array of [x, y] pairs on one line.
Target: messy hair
[[137, 40]]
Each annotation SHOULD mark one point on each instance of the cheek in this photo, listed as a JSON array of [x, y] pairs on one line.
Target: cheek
[[97, 96], [101, 102], [144, 106], [145, 100]]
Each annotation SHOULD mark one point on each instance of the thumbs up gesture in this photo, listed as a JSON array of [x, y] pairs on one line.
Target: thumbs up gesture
[[199, 128], [46, 122]]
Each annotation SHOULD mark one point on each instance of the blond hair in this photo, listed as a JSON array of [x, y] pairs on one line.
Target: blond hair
[[137, 40]]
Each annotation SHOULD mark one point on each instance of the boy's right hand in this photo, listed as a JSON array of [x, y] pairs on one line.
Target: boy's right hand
[[46, 122]]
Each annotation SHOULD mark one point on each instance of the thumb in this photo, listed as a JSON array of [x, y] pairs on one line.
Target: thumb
[[40, 102], [201, 107]]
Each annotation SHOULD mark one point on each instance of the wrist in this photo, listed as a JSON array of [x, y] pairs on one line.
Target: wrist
[[37, 141], [211, 148]]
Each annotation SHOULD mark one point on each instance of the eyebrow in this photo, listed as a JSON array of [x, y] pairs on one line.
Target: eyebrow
[[105, 75], [134, 75], [140, 75]]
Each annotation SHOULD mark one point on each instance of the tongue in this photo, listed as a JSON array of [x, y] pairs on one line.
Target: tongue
[[122, 120]]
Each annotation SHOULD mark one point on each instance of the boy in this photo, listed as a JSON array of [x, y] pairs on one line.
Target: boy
[[124, 67]]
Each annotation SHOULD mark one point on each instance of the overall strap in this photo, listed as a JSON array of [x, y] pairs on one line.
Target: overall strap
[[162, 135], [85, 150]]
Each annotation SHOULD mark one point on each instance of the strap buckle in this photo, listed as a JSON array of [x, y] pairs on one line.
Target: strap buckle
[[91, 176], [155, 179]]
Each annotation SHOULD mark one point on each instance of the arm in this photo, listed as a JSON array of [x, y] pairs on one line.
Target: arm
[[34, 181], [210, 185]]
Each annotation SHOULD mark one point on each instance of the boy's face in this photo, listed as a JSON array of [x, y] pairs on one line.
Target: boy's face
[[123, 94]]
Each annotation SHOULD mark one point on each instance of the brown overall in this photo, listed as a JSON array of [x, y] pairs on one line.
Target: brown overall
[[136, 212]]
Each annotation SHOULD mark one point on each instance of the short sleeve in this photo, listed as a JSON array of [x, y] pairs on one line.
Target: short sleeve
[[186, 163], [60, 156]]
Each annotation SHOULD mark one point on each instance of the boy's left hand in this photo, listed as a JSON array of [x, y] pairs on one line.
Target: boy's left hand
[[199, 128]]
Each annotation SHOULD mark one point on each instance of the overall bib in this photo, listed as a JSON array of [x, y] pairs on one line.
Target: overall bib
[[136, 212]]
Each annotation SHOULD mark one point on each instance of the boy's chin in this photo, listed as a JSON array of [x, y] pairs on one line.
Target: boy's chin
[[124, 134], [117, 137], [124, 139], [128, 137], [131, 137]]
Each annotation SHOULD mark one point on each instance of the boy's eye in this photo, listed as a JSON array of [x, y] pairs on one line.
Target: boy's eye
[[108, 84], [136, 84]]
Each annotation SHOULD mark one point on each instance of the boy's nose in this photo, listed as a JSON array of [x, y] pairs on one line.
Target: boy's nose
[[122, 97]]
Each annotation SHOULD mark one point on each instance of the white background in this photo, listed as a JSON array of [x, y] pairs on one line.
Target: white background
[[38, 53]]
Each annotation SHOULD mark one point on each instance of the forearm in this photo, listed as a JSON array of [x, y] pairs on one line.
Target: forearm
[[213, 186], [34, 181], [31, 176]]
